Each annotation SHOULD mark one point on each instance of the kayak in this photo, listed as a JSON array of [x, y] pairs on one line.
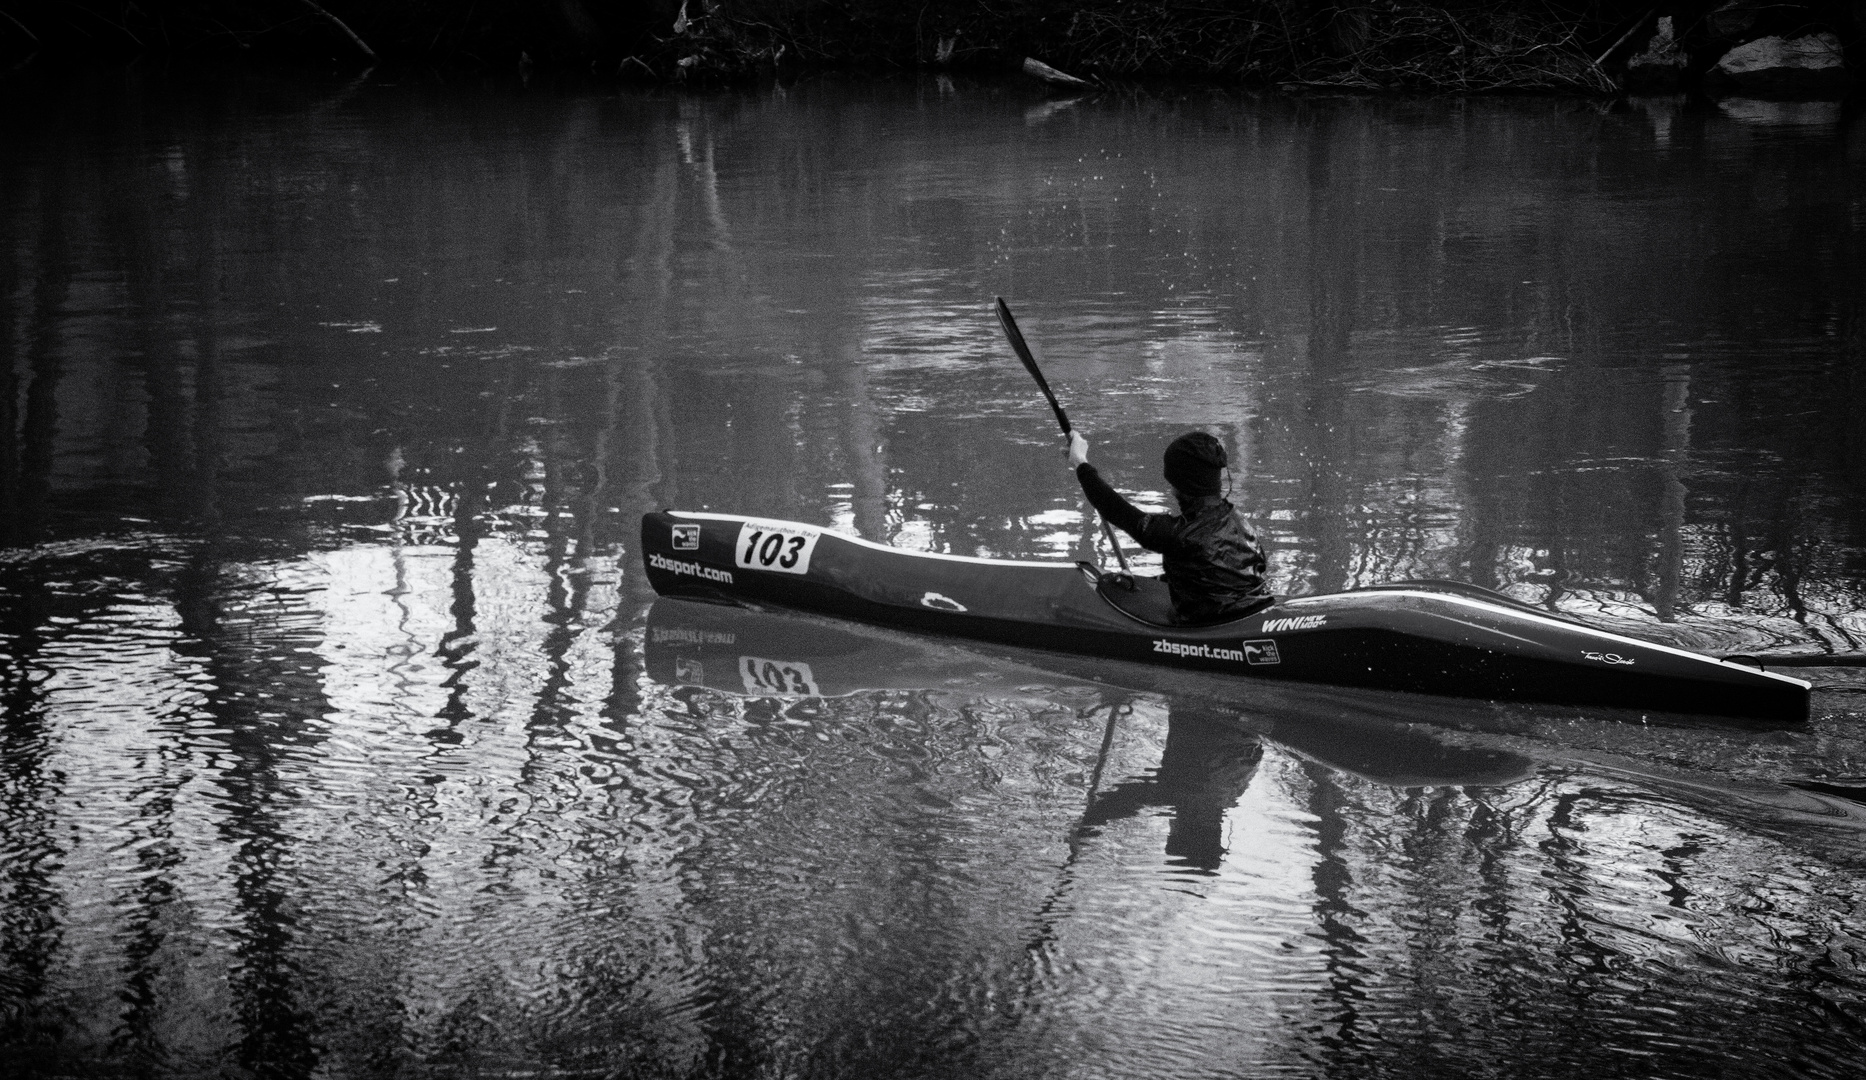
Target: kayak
[[1432, 637]]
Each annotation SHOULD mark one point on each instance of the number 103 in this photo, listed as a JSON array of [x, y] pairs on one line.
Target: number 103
[[785, 551]]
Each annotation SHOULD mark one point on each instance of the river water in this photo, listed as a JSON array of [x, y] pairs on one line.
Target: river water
[[343, 736]]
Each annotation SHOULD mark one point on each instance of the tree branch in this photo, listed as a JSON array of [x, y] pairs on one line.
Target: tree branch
[[362, 45], [22, 27]]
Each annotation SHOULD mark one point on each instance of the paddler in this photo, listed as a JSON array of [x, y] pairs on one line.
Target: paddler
[[1212, 561]]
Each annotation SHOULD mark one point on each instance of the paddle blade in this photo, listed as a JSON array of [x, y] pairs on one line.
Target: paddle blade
[[1022, 350]]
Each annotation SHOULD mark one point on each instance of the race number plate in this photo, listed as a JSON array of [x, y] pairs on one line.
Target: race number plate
[[787, 677], [770, 545]]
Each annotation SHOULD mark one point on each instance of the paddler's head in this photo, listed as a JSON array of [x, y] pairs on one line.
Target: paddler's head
[[1195, 465]]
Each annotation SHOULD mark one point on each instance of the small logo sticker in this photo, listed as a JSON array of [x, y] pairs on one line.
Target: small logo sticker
[[686, 538], [692, 672], [942, 603], [1261, 652], [1606, 658]]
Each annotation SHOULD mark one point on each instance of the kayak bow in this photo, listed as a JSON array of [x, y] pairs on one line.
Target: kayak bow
[[1427, 637]]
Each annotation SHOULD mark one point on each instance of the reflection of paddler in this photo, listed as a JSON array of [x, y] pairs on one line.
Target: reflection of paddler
[[1212, 752], [1205, 768]]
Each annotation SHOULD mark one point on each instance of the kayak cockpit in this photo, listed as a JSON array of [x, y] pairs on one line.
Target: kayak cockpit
[[1148, 601]]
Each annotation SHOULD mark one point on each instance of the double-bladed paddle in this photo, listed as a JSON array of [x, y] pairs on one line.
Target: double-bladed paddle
[[1030, 362], [1022, 350]]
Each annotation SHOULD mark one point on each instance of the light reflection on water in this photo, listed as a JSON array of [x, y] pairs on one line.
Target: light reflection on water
[[338, 734]]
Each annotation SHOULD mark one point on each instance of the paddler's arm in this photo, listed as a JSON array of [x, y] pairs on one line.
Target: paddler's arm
[[1107, 501]]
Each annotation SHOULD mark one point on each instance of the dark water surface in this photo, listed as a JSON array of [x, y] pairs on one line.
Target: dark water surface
[[340, 738]]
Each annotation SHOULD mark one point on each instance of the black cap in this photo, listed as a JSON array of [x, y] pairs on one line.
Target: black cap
[[1194, 462]]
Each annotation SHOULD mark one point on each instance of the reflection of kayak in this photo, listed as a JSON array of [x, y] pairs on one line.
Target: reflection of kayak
[[780, 654], [1429, 637], [784, 654]]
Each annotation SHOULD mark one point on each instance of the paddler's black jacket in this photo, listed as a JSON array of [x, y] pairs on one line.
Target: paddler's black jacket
[[1212, 561]]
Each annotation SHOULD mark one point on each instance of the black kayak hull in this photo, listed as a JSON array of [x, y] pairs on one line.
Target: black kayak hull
[[1425, 637]]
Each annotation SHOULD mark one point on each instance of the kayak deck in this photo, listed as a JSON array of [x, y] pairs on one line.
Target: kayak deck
[[1430, 637]]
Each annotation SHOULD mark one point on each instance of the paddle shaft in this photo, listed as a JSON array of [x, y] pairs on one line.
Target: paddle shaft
[[1022, 350]]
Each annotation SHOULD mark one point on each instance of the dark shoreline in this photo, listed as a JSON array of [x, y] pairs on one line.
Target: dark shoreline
[[1568, 46]]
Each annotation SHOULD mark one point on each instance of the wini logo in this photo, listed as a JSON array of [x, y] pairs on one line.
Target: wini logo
[[1298, 622]]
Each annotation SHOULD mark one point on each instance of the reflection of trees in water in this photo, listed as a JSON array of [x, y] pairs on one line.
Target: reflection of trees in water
[[758, 377], [137, 294], [268, 980], [887, 851], [31, 921], [28, 436], [869, 849], [1569, 923]]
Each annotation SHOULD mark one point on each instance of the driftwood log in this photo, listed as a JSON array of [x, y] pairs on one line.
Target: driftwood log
[[1040, 70]]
